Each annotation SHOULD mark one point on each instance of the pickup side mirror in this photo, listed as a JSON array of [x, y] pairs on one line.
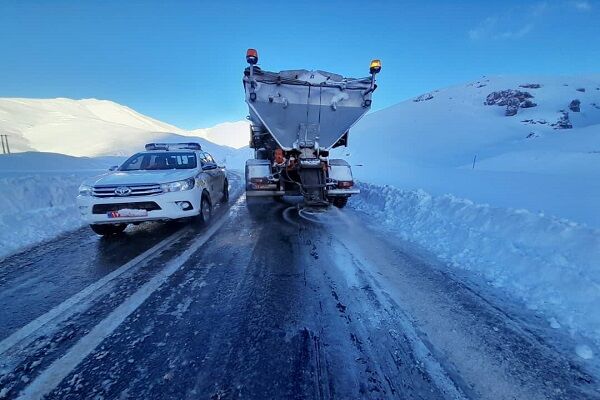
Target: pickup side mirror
[[114, 168]]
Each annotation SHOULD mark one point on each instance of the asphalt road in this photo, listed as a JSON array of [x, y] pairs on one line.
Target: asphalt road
[[263, 303]]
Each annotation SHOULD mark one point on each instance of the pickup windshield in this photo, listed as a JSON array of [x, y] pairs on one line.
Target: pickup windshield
[[159, 161]]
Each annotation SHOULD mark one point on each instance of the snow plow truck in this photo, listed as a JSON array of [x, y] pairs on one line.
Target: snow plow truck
[[296, 118]]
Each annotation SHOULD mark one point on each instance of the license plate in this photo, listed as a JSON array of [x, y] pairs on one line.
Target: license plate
[[127, 213]]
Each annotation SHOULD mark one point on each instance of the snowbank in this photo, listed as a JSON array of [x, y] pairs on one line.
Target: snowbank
[[553, 265], [37, 207], [37, 200]]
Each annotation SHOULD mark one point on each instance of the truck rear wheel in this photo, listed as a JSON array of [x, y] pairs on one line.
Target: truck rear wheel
[[339, 202], [108, 229]]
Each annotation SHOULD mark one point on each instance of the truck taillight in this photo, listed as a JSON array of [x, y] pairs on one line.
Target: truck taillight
[[345, 184], [259, 180]]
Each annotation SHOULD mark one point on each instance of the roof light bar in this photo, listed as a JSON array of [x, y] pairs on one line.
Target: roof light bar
[[173, 146]]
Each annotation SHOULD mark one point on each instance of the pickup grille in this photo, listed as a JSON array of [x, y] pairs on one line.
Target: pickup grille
[[142, 205], [136, 190]]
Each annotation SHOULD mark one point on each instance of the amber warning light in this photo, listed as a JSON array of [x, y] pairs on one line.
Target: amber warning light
[[252, 56], [375, 66]]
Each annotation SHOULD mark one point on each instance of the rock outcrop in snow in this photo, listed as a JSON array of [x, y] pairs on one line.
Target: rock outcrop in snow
[[575, 105], [563, 121], [423, 97], [531, 86], [512, 99]]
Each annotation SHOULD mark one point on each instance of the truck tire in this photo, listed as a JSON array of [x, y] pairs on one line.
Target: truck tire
[[339, 202], [108, 229]]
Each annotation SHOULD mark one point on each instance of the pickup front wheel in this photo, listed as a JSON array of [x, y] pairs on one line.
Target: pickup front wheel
[[205, 210], [108, 229]]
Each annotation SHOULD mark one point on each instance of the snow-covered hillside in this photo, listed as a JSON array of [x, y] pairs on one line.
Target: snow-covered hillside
[[530, 160], [92, 128], [509, 192]]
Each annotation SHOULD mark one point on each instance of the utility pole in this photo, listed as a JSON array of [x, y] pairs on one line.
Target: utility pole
[[5, 147]]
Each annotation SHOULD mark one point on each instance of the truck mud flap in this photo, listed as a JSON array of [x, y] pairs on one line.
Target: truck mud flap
[[313, 184]]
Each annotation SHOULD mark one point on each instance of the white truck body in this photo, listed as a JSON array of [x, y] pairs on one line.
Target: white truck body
[[297, 117]]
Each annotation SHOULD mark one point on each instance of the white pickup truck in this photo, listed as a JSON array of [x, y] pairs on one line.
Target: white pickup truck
[[167, 181]]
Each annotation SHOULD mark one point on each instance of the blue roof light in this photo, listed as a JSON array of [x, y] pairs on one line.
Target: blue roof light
[[173, 146]]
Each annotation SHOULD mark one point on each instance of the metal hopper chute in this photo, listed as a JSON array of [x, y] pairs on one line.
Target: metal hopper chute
[[306, 109]]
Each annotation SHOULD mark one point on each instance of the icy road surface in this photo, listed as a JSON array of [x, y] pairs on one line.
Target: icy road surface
[[218, 312]]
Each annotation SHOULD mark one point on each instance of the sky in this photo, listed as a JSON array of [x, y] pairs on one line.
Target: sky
[[182, 61]]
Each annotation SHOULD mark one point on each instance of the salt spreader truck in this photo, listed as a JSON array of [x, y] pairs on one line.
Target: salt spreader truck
[[296, 118]]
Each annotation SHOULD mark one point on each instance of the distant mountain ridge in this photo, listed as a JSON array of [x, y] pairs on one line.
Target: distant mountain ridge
[[91, 127]]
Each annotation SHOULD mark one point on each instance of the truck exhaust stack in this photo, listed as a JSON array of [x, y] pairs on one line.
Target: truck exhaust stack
[[297, 117]]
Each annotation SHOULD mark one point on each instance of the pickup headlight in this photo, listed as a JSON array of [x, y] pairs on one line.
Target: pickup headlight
[[85, 190], [178, 185]]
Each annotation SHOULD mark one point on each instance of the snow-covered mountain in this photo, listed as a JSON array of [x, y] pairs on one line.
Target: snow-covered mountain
[[232, 134], [460, 140], [92, 128]]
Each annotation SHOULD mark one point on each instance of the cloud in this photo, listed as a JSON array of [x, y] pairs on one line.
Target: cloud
[[515, 33], [500, 28], [483, 29], [540, 8], [582, 5], [517, 22]]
